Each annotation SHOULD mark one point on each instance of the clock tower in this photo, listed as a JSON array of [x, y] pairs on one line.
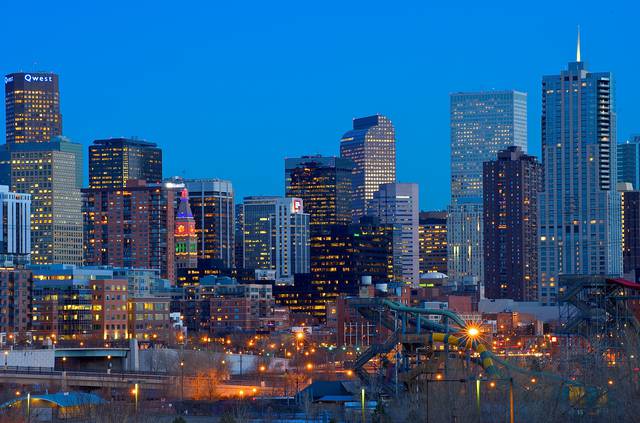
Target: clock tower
[[186, 240]]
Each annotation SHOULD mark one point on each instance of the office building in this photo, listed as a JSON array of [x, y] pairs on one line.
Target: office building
[[371, 246], [580, 227], [148, 319], [16, 297], [630, 231], [482, 123], [629, 161], [15, 227], [276, 235], [140, 282], [396, 205], [213, 207], [239, 231], [325, 186], [186, 240], [130, 227], [511, 186], [109, 309], [432, 233], [371, 146], [32, 106], [49, 172], [112, 162]]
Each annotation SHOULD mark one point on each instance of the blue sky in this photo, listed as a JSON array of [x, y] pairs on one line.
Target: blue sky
[[229, 89]]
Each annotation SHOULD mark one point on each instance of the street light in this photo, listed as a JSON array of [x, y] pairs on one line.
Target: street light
[[135, 392], [182, 381]]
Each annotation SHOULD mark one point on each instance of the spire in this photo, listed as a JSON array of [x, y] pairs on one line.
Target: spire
[[578, 48], [184, 210]]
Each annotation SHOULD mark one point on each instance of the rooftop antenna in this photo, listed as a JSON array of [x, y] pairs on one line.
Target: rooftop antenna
[[578, 48]]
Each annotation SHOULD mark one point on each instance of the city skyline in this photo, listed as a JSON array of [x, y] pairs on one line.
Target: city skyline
[[417, 108]]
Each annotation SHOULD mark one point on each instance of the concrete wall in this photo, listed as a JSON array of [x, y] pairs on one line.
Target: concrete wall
[[29, 358]]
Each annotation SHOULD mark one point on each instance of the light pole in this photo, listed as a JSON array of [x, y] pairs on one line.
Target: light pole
[[135, 392], [182, 381], [6, 359]]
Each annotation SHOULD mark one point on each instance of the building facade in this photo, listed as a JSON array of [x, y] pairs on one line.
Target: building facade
[[112, 162], [631, 234], [371, 146], [629, 161], [130, 227], [49, 173], [16, 296], [213, 207], [482, 123], [432, 234], [511, 186], [276, 235], [109, 309], [325, 186], [32, 106], [15, 227], [396, 205], [580, 227], [186, 240]]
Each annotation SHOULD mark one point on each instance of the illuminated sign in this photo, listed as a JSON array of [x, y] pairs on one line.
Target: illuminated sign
[[296, 205], [8, 79], [34, 78]]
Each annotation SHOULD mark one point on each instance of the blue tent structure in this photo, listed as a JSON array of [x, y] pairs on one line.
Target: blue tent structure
[[66, 403]]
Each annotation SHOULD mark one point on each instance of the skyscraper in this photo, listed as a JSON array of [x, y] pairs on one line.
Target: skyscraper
[[432, 233], [629, 161], [15, 227], [186, 240], [631, 234], [32, 104], [511, 185], [325, 186], [49, 171], [579, 207], [112, 162], [276, 235], [37, 161], [482, 124], [371, 145], [213, 207], [130, 227], [396, 205]]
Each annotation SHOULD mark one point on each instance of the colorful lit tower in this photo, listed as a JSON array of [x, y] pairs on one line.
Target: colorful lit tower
[[186, 240]]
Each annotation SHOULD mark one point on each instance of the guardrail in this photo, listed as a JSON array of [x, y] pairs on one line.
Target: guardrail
[[91, 372]]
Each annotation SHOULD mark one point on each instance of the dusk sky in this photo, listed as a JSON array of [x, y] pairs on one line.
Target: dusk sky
[[229, 89]]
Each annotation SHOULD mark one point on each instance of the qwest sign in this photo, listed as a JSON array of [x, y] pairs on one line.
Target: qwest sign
[[37, 78]]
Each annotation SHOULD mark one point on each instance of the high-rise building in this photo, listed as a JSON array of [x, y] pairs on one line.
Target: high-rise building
[[213, 207], [15, 227], [396, 205], [432, 234], [49, 172], [631, 233], [130, 227], [112, 162], [511, 186], [372, 250], [482, 123], [186, 240], [239, 230], [629, 162], [276, 235], [32, 104], [580, 228], [325, 186], [371, 145]]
